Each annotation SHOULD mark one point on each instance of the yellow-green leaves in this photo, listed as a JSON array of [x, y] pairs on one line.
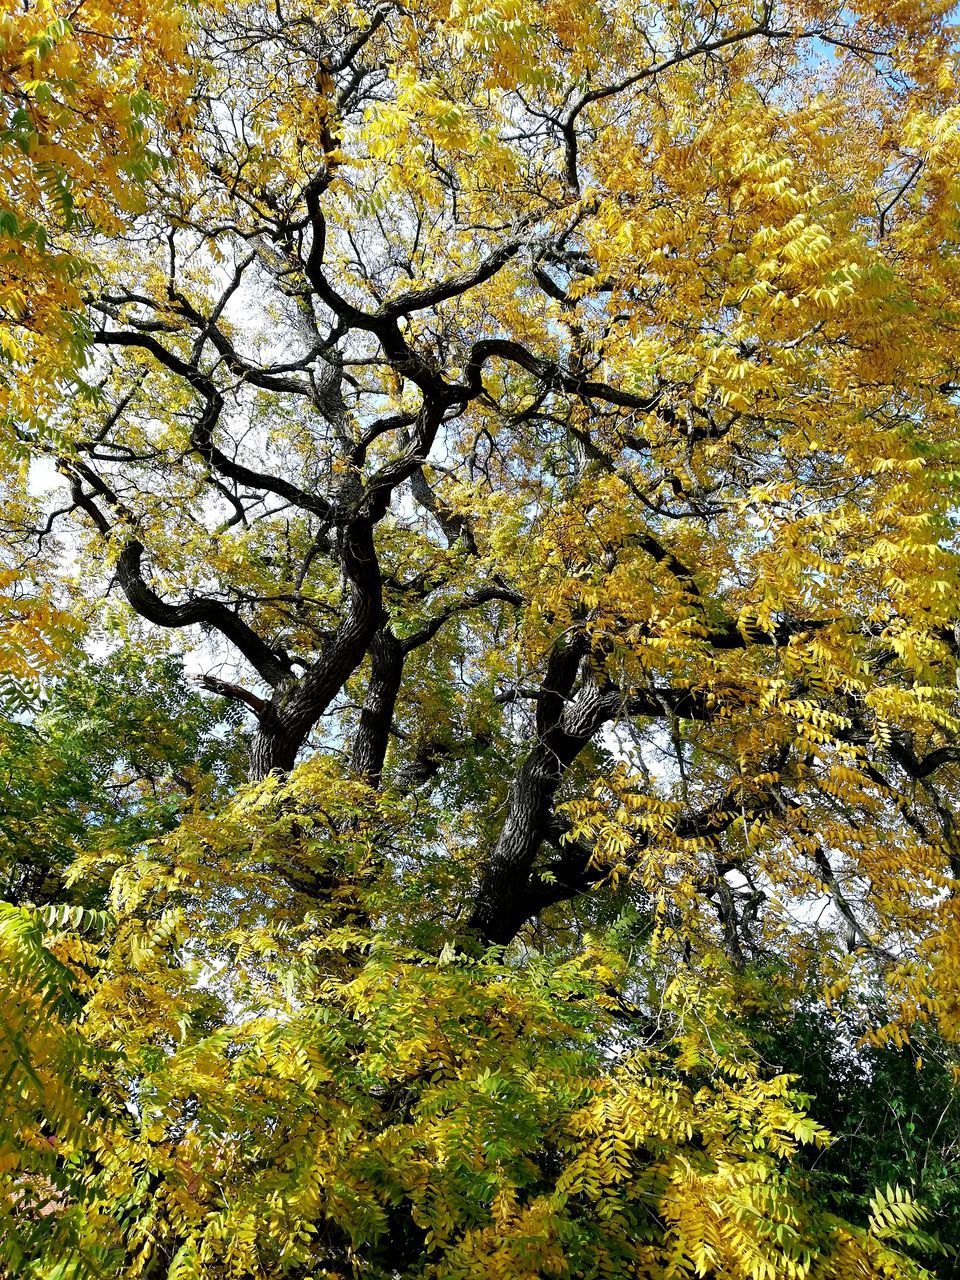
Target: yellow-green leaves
[[537, 424], [76, 94]]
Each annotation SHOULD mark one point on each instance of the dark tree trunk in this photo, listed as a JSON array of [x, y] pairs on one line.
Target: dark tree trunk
[[376, 716], [297, 705]]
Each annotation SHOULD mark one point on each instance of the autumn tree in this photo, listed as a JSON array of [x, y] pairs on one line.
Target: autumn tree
[[539, 421], [77, 91]]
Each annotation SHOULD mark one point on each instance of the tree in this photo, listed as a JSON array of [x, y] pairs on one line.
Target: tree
[[78, 87], [108, 760], [542, 421], [893, 1111]]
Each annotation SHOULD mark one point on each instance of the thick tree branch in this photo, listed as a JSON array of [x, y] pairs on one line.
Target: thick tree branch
[[376, 715]]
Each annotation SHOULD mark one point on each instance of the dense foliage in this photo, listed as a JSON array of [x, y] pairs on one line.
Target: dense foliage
[[479, 687]]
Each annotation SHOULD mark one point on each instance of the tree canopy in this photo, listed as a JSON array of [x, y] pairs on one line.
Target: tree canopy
[[533, 427]]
